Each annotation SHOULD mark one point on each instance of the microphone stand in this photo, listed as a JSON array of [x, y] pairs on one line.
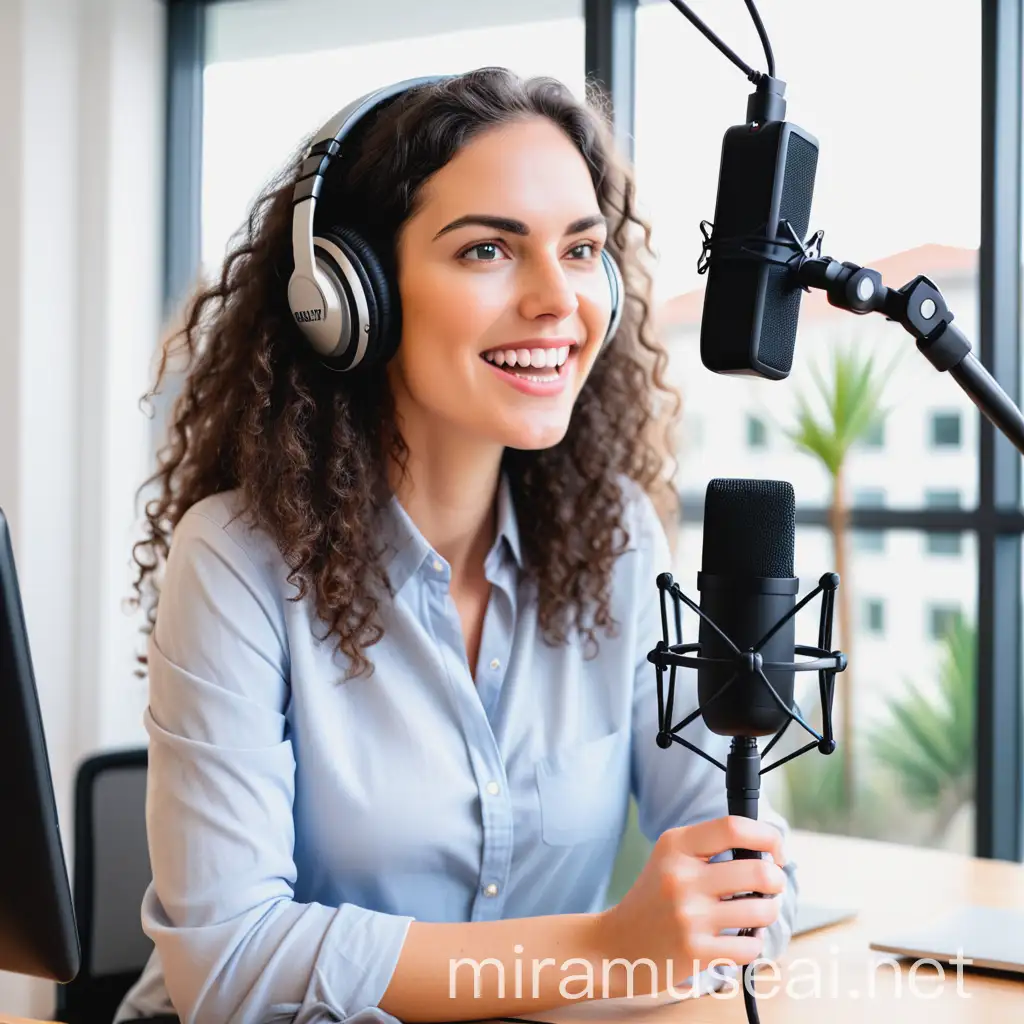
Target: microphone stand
[[743, 768]]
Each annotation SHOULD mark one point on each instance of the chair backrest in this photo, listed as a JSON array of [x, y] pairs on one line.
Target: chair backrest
[[111, 873]]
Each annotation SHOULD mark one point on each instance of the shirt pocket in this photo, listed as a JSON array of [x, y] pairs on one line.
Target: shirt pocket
[[583, 790]]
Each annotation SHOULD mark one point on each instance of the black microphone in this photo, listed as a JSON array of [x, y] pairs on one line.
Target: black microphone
[[745, 655], [765, 187], [747, 585]]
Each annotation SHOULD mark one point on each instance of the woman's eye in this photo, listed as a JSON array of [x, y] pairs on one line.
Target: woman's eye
[[491, 251], [491, 248]]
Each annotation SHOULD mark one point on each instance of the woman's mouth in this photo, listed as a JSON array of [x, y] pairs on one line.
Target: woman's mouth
[[540, 371], [538, 364]]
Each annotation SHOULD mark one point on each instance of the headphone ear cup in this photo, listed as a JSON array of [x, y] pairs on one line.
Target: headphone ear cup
[[368, 329], [618, 293]]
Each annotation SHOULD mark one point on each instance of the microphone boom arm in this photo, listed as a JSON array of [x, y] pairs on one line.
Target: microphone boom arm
[[922, 311], [919, 307]]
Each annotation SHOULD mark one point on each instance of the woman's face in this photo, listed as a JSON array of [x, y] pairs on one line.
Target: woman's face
[[526, 286]]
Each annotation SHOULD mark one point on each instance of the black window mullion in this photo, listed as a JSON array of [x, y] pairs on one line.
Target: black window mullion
[[1000, 746], [184, 140], [611, 59], [183, 166]]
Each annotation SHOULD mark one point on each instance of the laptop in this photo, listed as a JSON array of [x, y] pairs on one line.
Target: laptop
[[991, 937]]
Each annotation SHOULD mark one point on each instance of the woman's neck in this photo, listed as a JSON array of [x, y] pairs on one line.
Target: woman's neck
[[452, 499]]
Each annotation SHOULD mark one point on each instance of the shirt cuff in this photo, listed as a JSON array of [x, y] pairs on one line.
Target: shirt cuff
[[362, 950]]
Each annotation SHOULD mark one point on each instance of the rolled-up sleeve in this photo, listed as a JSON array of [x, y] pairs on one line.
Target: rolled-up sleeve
[[677, 787], [234, 944]]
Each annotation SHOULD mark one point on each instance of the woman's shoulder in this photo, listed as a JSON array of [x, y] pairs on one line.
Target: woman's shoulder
[[218, 524]]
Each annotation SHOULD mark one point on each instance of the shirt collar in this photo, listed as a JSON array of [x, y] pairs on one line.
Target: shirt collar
[[407, 549]]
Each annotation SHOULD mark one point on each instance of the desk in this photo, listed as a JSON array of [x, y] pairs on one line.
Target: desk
[[890, 884]]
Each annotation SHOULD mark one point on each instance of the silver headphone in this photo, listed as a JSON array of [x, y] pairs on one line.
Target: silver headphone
[[339, 292]]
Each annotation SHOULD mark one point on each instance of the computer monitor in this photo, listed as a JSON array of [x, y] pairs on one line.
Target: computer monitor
[[38, 933]]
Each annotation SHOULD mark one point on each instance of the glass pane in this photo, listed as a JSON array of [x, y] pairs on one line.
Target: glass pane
[[269, 80], [878, 204], [912, 618]]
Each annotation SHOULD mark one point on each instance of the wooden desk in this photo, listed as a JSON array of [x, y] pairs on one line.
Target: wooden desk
[[892, 885]]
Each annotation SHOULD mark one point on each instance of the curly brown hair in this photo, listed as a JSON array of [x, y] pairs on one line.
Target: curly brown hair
[[307, 449]]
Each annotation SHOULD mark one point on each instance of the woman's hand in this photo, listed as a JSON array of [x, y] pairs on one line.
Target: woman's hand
[[680, 903]]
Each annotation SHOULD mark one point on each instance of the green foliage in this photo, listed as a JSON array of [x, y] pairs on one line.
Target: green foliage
[[853, 407], [815, 790], [634, 850], [928, 742]]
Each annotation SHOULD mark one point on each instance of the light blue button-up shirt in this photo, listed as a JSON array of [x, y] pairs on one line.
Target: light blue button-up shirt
[[298, 822]]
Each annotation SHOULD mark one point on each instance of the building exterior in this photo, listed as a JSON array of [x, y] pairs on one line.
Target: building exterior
[[906, 586]]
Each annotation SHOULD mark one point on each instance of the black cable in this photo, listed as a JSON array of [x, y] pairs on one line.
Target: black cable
[[752, 75], [749, 997], [759, 25]]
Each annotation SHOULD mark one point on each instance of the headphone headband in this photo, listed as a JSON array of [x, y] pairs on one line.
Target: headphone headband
[[339, 293], [321, 152]]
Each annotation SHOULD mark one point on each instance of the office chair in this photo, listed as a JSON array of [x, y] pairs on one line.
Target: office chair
[[111, 872]]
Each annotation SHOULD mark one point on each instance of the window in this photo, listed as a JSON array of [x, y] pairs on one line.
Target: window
[[874, 436], [945, 430], [943, 543], [868, 540], [678, 184], [911, 453], [693, 432], [269, 80], [873, 616], [757, 432], [942, 619]]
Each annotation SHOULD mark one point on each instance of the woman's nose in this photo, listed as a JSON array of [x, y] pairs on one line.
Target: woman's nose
[[548, 290]]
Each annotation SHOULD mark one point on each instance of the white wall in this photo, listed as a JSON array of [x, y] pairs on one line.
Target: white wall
[[81, 115]]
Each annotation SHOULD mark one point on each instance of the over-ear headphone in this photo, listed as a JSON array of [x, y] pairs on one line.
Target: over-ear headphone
[[339, 292]]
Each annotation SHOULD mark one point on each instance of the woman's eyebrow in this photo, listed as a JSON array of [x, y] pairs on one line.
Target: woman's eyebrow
[[516, 227]]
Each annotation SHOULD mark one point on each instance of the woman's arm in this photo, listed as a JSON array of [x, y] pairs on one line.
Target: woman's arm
[[427, 986], [235, 945]]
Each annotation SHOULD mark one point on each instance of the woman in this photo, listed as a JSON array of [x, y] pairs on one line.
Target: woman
[[385, 734]]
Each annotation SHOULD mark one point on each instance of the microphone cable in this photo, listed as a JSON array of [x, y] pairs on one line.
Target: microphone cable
[[752, 75]]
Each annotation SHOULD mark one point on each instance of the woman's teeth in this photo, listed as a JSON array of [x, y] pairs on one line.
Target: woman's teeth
[[539, 358]]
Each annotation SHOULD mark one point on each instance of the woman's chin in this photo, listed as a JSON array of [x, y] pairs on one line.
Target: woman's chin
[[535, 436]]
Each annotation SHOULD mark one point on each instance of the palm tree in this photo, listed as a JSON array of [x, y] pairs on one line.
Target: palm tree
[[929, 741], [852, 398]]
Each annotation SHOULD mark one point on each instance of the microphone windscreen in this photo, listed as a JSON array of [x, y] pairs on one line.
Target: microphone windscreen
[[749, 528]]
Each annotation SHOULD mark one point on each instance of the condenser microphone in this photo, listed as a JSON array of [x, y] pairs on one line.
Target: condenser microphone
[[746, 586], [765, 185]]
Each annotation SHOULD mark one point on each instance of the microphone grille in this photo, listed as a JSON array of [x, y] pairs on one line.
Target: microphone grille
[[749, 528]]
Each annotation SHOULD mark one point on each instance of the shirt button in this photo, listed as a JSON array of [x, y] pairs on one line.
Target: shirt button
[[493, 788], [495, 663], [491, 889], [437, 565]]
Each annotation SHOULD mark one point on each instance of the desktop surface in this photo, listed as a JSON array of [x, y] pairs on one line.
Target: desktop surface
[[889, 885]]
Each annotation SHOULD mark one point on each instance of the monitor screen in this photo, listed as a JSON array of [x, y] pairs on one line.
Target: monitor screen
[[38, 934]]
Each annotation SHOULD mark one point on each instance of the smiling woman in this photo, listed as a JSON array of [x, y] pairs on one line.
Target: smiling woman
[[474, 499]]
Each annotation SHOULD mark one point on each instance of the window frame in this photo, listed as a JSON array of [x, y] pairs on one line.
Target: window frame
[[997, 522]]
